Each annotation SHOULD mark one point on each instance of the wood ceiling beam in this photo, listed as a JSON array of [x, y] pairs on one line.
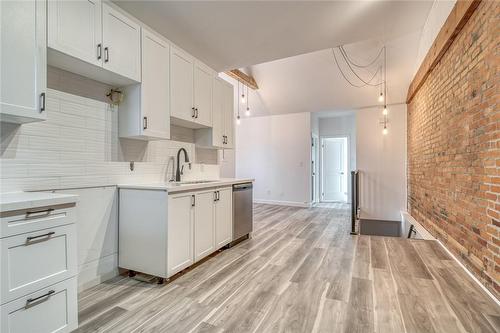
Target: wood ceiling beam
[[457, 19], [243, 78]]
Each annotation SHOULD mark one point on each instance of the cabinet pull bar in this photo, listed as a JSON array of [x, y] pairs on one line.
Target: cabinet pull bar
[[196, 112], [145, 123], [193, 112], [42, 102], [31, 300], [30, 238], [193, 200], [46, 211], [106, 54], [99, 51]]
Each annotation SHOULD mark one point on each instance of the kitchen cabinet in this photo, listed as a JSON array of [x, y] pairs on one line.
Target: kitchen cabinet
[[145, 111], [223, 211], [191, 90], [221, 133], [23, 62], [121, 43], [95, 40], [204, 231], [181, 214], [75, 28]]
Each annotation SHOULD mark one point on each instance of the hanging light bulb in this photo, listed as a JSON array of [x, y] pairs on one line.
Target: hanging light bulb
[[381, 97], [238, 121], [384, 112], [243, 95], [384, 131], [247, 112]]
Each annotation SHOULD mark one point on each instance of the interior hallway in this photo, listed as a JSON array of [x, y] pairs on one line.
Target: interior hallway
[[301, 272]]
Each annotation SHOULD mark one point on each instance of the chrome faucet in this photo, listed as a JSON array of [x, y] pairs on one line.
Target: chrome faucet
[[178, 171]]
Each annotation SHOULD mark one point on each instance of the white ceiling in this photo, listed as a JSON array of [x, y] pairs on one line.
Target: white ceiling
[[234, 34], [286, 45]]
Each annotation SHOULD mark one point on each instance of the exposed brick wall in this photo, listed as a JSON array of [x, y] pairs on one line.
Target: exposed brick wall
[[454, 147]]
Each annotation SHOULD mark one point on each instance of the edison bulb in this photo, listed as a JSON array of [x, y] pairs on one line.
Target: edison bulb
[[247, 112], [242, 98], [238, 121], [384, 131], [381, 97], [384, 112]]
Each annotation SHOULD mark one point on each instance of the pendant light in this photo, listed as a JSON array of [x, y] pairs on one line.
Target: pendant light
[[238, 121], [247, 112], [243, 95]]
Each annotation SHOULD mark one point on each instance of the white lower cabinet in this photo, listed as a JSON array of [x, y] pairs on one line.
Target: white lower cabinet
[[204, 233], [161, 234], [224, 217], [180, 232], [48, 310]]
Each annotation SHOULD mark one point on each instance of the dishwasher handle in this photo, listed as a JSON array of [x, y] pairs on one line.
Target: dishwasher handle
[[244, 186]]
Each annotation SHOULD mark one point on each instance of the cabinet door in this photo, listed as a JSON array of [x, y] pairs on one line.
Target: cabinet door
[[224, 218], [229, 115], [74, 28], [180, 232], [204, 225], [155, 86], [181, 85], [23, 61], [218, 114], [203, 79], [122, 44]]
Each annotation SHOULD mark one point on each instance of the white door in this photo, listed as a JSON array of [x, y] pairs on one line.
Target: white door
[[218, 114], [122, 44], [74, 28], [224, 217], [23, 61], [229, 115], [180, 232], [204, 224], [203, 79], [334, 169], [181, 85], [155, 87]]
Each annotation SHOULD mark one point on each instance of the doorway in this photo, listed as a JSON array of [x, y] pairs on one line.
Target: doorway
[[315, 169], [334, 166]]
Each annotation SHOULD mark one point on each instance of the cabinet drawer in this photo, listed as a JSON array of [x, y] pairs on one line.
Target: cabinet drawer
[[27, 220], [34, 260], [51, 309]]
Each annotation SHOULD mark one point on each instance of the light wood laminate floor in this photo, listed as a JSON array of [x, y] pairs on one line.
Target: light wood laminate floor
[[301, 272]]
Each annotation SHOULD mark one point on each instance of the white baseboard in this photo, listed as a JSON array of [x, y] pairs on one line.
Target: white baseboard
[[283, 203], [95, 272], [426, 235]]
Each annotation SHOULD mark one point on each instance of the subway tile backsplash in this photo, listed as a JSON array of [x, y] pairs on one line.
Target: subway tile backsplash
[[78, 146]]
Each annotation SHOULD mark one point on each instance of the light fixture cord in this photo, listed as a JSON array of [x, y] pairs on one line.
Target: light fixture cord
[[345, 77], [357, 75], [362, 66]]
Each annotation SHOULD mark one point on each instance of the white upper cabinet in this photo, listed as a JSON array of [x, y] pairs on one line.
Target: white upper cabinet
[[218, 114], [23, 62], [86, 36], [75, 29], [181, 88], [203, 80], [145, 111], [191, 90], [228, 115], [121, 41]]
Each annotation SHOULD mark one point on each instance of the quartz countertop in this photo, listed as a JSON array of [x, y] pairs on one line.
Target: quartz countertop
[[176, 187], [26, 200]]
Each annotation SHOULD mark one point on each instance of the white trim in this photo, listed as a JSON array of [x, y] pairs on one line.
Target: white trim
[[427, 236], [283, 203]]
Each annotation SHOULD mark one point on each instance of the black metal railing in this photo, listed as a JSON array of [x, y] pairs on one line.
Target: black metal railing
[[354, 200]]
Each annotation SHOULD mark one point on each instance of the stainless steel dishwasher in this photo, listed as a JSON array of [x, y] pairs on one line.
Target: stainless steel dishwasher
[[242, 210]]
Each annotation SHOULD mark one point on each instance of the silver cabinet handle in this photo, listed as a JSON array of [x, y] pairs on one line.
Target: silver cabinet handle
[[31, 300], [42, 212], [99, 51], [106, 54], [30, 238], [42, 102]]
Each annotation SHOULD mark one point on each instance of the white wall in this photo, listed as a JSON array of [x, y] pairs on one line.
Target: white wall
[[437, 16], [381, 160], [342, 126], [276, 151]]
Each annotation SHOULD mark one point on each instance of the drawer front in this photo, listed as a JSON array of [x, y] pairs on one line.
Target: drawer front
[[28, 220], [34, 260], [51, 309]]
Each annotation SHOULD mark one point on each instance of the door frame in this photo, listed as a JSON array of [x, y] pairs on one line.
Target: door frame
[[315, 168], [348, 154]]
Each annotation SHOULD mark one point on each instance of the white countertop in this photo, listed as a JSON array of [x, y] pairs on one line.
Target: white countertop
[[25, 200], [173, 187]]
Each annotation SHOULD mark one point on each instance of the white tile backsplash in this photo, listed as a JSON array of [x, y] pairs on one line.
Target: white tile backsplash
[[78, 146]]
